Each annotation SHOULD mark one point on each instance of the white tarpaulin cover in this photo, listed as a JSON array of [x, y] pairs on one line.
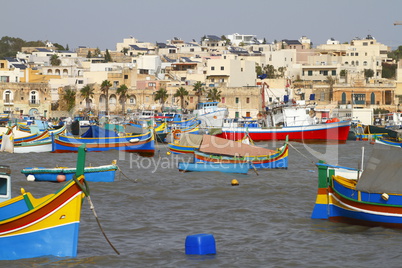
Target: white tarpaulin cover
[[383, 171]]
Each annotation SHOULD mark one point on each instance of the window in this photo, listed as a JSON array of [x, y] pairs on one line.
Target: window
[[325, 73], [222, 68], [212, 68], [365, 44], [80, 82], [247, 100], [333, 72], [364, 63], [8, 96], [241, 69], [125, 76], [310, 73], [191, 99], [115, 83], [237, 100], [132, 100], [223, 100], [33, 97], [152, 84]]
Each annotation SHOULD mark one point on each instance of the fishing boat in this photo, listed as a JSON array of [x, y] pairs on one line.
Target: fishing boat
[[218, 150], [49, 226], [241, 168], [186, 143], [209, 114], [295, 122], [98, 139], [105, 173], [389, 142], [372, 197]]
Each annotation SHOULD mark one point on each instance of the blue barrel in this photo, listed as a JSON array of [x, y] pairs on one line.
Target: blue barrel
[[200, 244]]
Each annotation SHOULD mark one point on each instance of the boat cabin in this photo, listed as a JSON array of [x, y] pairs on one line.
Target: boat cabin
[[5, 183]]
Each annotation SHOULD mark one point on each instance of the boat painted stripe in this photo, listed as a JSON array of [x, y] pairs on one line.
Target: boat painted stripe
[[357, 209], [42, 218]]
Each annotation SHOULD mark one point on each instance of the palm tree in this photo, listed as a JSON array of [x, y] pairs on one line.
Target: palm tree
[[331, 82], [199, 90], [69, 98], [122, 92], [87, 93], [214, 95], [54, 60], [105, 89], [181, 92], [162, 96]]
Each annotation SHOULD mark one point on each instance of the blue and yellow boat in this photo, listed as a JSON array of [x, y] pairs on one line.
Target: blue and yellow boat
[[33, 227]]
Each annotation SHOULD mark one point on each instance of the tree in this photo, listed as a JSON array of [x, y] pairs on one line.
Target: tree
[[105, 90], [161, 95], [199, 90], [58, 46], [331, 82], [368, 73], [269, 70], [214, 95], [69, 98], [54, 60], [97, 52], [9, 46], [122, 92], [388, 70], [181, 93], [89, 55], [108, 58], [87, 92]]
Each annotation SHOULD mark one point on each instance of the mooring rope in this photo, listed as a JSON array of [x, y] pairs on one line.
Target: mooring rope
[[100, 226], [313, 162], [121, 173], [85, 189]]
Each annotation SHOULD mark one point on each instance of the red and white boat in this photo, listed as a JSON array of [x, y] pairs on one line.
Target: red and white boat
[[296, 122]]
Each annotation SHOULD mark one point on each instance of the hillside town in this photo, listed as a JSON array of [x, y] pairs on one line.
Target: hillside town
[[241, 72]]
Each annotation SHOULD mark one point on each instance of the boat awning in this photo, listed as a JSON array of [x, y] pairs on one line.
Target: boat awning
[[98, 132], [215, 145], [383, 170]]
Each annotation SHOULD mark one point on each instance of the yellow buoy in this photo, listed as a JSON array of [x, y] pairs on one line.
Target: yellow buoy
[[235, 182], [168, 153]]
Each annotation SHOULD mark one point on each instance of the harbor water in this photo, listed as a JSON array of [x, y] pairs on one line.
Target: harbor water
[[151, 208]]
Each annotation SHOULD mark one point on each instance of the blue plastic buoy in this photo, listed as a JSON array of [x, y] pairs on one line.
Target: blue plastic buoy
[[200, 244]]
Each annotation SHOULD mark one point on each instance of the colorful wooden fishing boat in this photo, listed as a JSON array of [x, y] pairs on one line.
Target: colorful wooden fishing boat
[[372, 199], [241, 168], [389, 142], [186, 143], [336, 131], [98, 139], [105, 173], [34, 227], [214, 149]]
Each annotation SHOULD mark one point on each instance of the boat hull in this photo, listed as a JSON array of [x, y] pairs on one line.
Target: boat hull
[[142, 144], [278, 160], [241, 168], [93, 174], [338, 202], [32, 227], [337, 131]]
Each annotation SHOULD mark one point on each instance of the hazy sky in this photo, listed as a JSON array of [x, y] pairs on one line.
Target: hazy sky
[[102, 23]]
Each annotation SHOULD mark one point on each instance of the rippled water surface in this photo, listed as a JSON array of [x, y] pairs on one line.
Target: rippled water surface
[[151, 208]]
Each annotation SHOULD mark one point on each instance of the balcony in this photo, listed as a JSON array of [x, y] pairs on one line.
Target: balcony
[[8, 102], [34, 103]]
